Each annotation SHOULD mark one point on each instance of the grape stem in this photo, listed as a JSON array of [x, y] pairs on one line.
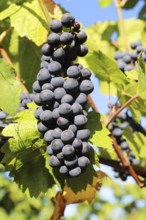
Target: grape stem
[[94, 107], [4, 54], [119, 6], [59, 206], [141, 171], [114, 115], [4, 34], [125, 163]]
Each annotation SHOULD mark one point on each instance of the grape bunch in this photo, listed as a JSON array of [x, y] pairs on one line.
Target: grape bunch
[[122, 121], [126, 61], [61, 90]]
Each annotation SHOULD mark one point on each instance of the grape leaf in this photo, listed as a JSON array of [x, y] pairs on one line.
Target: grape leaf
[[106, 69], [141, 69], [99, 133], [53, 9], [136, 142], [10, 88], [23, 16], [24, 154], [25, 55], [104, 3]]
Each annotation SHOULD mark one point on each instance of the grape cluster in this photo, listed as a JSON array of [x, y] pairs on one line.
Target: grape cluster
[[61, 90], [126, 61], [122, 121]]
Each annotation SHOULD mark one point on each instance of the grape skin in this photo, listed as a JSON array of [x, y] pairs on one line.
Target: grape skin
[[67, 20], [56, 26]]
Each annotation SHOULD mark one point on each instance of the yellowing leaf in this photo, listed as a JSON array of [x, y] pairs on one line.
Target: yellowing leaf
[[53, 9]]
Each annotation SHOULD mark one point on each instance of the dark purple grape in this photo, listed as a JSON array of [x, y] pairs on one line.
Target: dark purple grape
[[75, 172], [56, 26], [71, 86], [54, 39], [54, 68], [65, 110], [63, 122], [67, 20], [54, 162], [43, 76], [71, 162], [83, 134], [81, 99], [57, 145], [63, 170], [66, 38], [67, 136], [73, 71], [57, 133], [59, 93], [46, 49], [85, 73], [80, 121], [36, 87], [83, 161], [57, 81], [46, 116], [86, 86], [59, 54], [73, 128], [81, 37], [47, 86], [67, 99], [48, 136], [82, 50], [46, 96], [42, 127], [77, 144], [49, 150], [68, 151]]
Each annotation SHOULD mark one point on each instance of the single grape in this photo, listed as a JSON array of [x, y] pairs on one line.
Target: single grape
[[86, 86], [71, 86], [57, 145], [44, 64], [55, 113], [81, 37], [37, 99], [47, 86], [60, 157], [46, 116], [54, 39], [46, 96], [85, 73], [43, 76], [54, 162], [75, 172], [117, 132], [83, 161], [24, 96], [73, 128], [38, 112], [3, 115], [56, 26], [128, 67], [81, 99], [66, 38], [57, 132], [134, 45], [121, 64], [71, 162], [127, 58], [67, 98], [134, 56], [138, 49], [49, 150], [67, 136], [118, 55], [59, 54], [42, 127], [83, 134], [59, 93], [65, 110], [73, 71], [77, 109], [67, 20], [77, 144], [48, 136], [54, 68], [36, 87], [57, 81], [80, 121], [63, 122], [85, 149], [63, 170], [46, 49], [68, 151], [82, 50]]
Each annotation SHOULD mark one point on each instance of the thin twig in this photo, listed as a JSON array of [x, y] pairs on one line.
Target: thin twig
[[121, 22], [126, 163], [4, 34], [123, 3], [92, 103], [114, 115]]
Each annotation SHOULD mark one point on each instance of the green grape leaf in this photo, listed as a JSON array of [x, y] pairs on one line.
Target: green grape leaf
[[24, 154], [23, 16], [141, 69], [106, 69], [130, 4], [10, 88], [104, 3], [25, 55], [99, 133], [136, 142]]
